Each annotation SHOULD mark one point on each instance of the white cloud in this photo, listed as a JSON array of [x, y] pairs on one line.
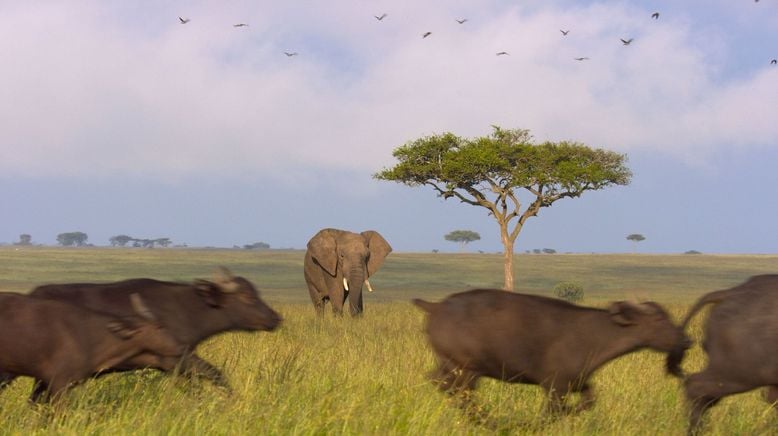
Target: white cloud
[[95, 91]]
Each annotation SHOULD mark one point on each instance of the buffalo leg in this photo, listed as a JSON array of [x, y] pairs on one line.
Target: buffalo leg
[[44, 392], [194, 365], [704, 390], [40, 392], [587, 398], [556, 401], [6, 379], [771, 396], [459, 383]]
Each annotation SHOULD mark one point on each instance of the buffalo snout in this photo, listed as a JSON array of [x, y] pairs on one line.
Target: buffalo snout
[[272, 321], [676, 354]]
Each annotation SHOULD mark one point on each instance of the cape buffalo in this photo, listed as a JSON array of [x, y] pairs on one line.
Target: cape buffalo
[[741, 340], [536, 340], [191, 312], [60, 344]]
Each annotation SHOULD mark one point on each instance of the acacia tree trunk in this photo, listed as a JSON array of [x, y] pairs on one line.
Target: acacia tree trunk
[[507, 244]]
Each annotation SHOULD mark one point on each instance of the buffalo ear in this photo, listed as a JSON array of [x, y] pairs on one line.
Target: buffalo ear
[[323, 249], [121, 329], [623, 313], [209, 292], [379, 249]]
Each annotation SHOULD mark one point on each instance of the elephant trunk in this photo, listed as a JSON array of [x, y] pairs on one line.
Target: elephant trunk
[[354, 280]]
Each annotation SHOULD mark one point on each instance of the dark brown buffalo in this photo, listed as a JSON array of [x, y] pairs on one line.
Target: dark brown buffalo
[[60, 344], [741, 340], [536, 340], [191, 312]]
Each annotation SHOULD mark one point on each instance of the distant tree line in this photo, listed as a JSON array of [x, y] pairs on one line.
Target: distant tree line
[[541, 250], [257, 246], [123, 240]]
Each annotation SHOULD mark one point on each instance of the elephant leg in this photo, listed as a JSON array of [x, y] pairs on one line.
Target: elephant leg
[[316, 299], [337, 298], [355, 303]]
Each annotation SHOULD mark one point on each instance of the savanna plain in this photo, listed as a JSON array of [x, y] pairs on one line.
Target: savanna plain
[[367, 376]]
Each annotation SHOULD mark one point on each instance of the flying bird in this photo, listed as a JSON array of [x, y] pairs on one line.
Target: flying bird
[[626, 41], [774, 62], [380, 17], [426, 34], [462, 21], [655, 15], [290, 53], [503, 53], [240, 25], [564, 32], [582, 59], [183, 20]]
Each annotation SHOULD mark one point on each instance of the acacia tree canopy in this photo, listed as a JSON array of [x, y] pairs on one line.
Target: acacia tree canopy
[[72, 238], [488, 171], [462, 236]]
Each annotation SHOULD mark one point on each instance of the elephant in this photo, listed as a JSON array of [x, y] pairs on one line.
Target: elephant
[[338, 262]]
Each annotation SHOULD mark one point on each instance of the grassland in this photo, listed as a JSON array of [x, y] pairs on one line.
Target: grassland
[[344, 376]]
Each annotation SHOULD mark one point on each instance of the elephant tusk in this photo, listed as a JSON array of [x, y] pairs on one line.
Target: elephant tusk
[[345, 284], [369, 288]]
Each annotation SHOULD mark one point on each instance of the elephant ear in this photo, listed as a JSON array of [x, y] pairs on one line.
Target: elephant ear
[[379, 249], [323, 249]]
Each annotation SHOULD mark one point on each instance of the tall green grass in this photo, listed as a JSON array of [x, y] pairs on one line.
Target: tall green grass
[[318, 376]]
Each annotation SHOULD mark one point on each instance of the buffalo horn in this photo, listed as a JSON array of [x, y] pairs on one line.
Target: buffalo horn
[[345, 284], [369, 288], [140, 307], [224, 278], [222, 274]]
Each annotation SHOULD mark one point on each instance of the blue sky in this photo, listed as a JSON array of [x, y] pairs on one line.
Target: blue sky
[[116, 119]]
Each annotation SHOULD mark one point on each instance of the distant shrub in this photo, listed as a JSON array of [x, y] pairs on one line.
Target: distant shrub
[[570, 291], [549, 250], [692, 252]]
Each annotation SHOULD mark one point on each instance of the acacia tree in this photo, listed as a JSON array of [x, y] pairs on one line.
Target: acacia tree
[[120, 240], [635, 238], [70, 239], [494, 172], [464, 237]]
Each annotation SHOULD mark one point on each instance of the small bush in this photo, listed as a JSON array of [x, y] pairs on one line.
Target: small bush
[[692, 252], [570, 291]]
